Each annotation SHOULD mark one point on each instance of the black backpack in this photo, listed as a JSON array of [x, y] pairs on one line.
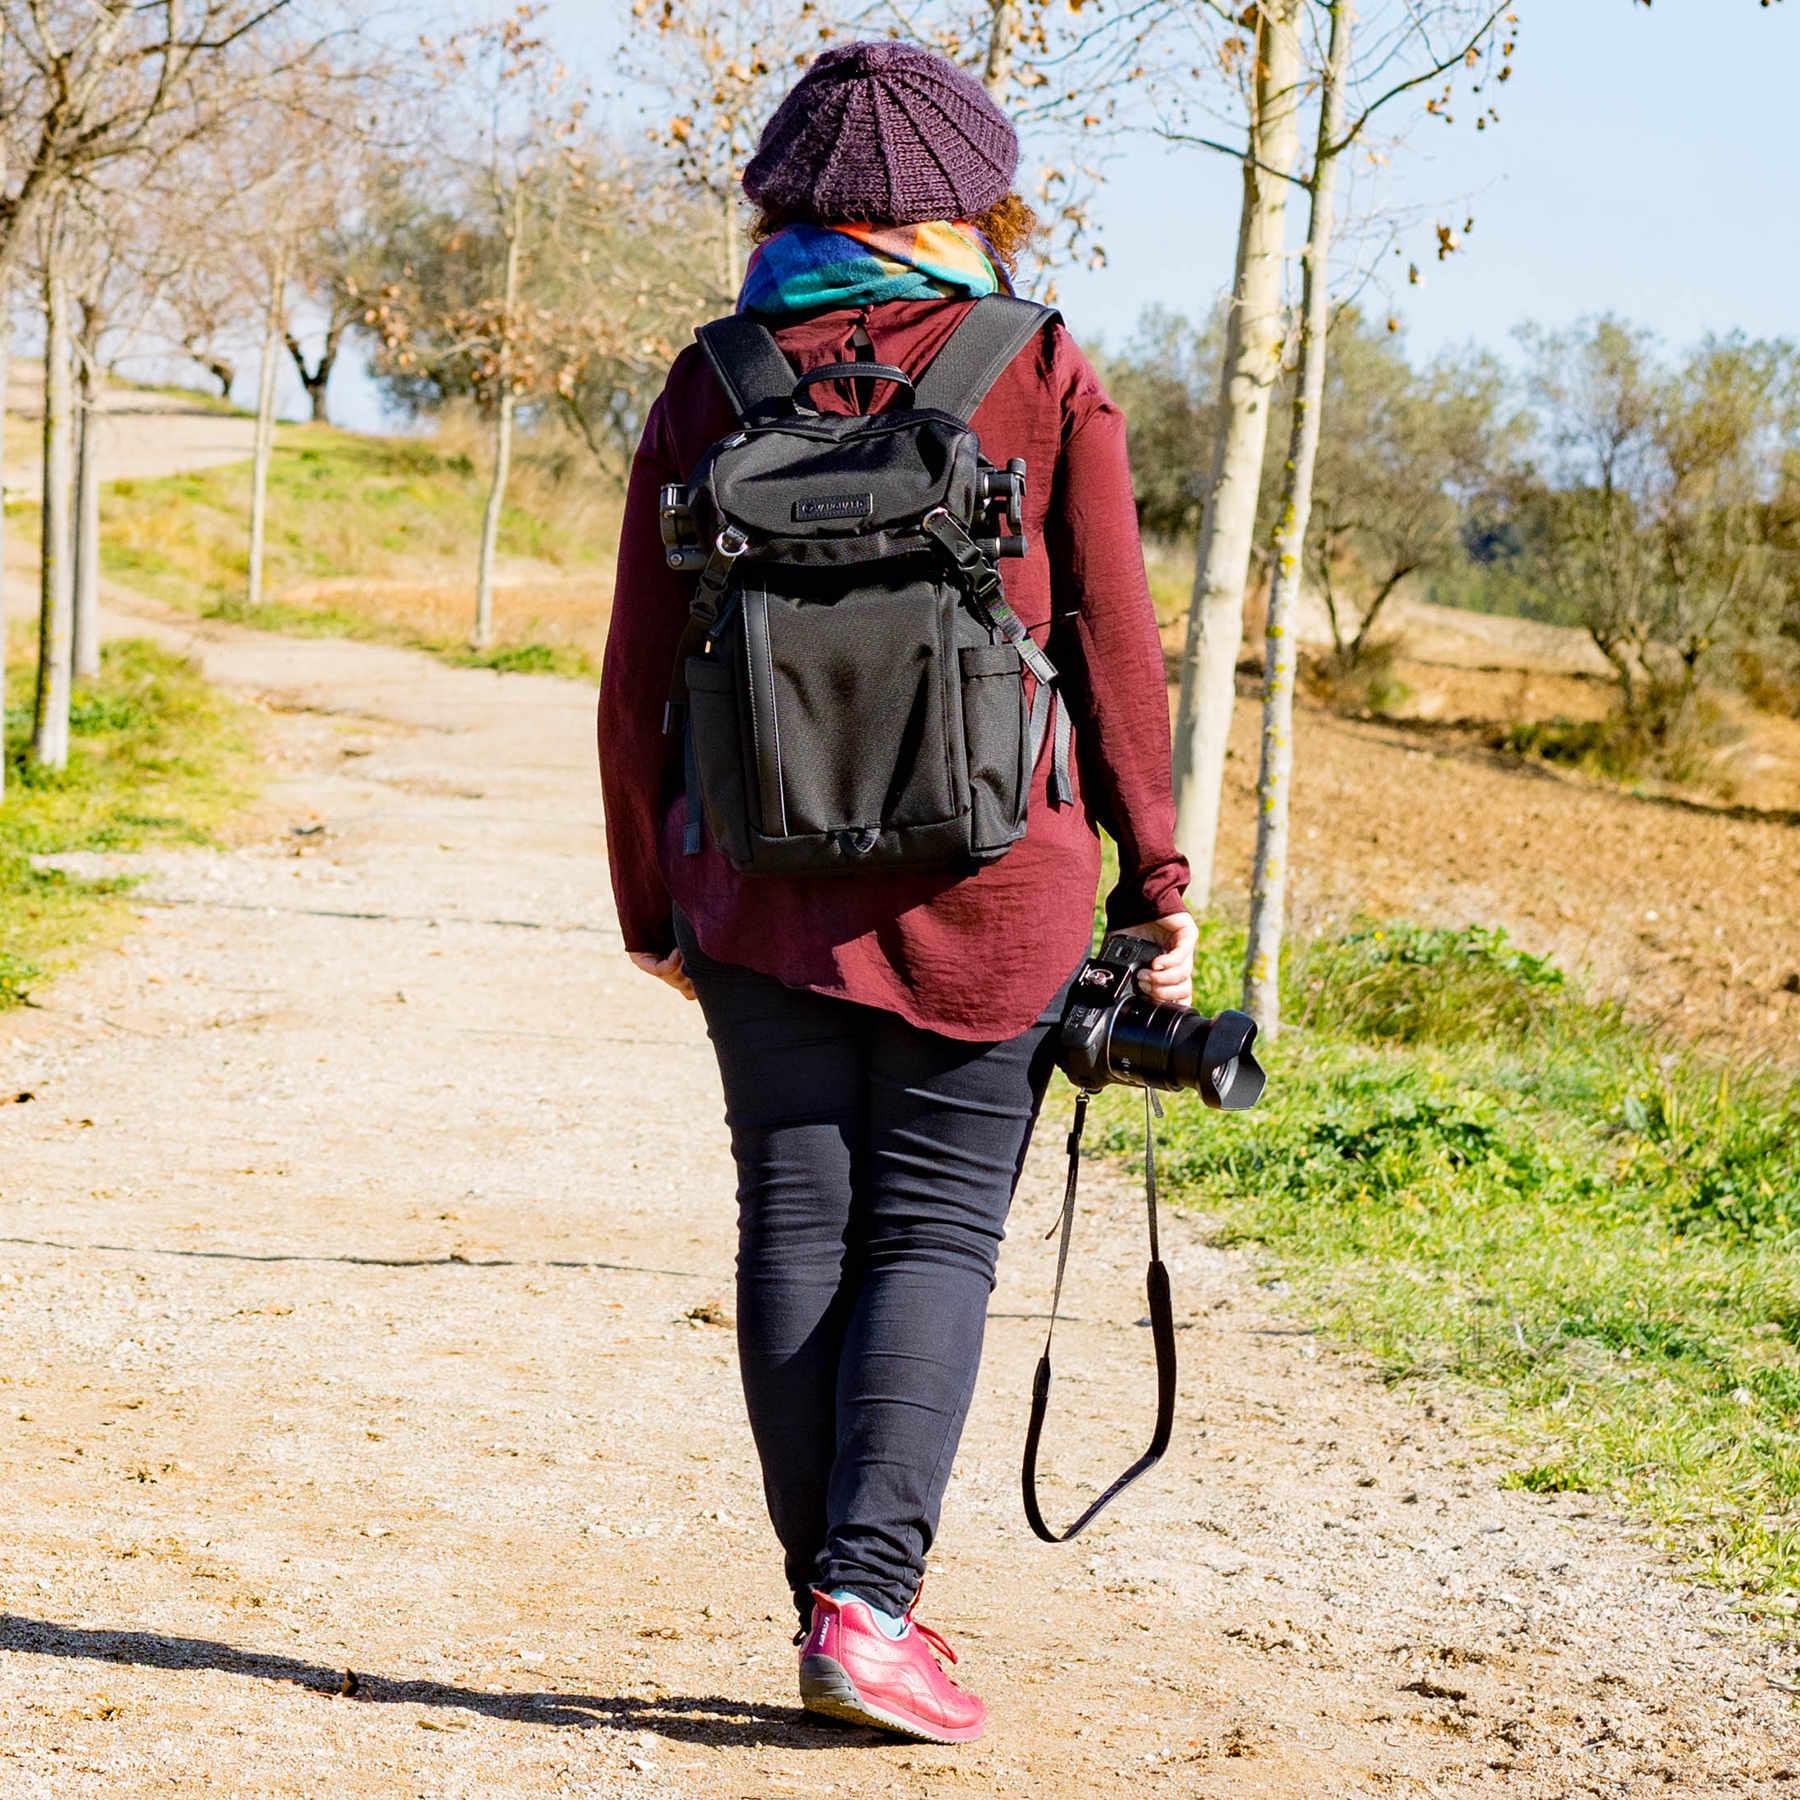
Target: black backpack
[[852, 680]]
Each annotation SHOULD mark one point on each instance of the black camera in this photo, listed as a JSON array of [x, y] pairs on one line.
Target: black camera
[[1113, 1032]]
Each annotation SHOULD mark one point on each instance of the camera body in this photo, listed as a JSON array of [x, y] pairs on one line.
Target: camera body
[[1112, 1032]]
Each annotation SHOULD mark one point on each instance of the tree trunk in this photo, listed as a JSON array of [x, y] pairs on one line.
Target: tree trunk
[[1383, 595], [483, 634], [490, 520], [56, 593], [86, 652], [223, 372], [5, 374], [264, 442], [316, 380], [1003, 42], [1253, 342], [731, 244], [1268, 885]]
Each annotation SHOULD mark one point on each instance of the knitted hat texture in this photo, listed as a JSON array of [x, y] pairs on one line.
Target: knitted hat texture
[[886, 133]]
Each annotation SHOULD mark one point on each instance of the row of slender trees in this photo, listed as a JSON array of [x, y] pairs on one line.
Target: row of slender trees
[[140, 149]]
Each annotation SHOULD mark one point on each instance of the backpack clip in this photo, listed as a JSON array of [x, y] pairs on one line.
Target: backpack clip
[[950, 537], [728, 546], [680, 532]]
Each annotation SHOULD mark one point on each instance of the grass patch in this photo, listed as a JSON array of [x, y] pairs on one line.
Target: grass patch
[[189, 399], [1472, 1172], [376, 538], [158, 757]]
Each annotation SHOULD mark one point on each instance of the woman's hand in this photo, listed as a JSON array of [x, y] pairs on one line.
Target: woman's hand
[[1169, 980], [665, 968]]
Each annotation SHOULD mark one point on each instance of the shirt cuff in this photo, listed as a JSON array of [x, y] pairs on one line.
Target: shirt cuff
[[1154, 894]]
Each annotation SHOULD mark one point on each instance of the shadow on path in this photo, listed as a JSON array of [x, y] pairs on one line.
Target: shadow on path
[[708, 1719], [359, 1262]]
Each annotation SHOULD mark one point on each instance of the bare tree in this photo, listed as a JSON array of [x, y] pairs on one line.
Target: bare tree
[[8, 111], [111, 271], [469, 239], [614, 299], [56, 593], [331, 259], [288, 172], [105, 79], [1255, 332], [263, 437], [339, 310], [86, 84], [1408, 46], [717, 70], [209, 302], [90, 328], [5, 377], [1268, 895], [1412, 47]]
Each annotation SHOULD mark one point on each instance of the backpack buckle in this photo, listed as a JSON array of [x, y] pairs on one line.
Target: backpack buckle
[[950, 537], [728, 546], [856, 840]]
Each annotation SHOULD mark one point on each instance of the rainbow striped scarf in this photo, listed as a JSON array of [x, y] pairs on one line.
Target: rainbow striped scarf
[[806, 268]]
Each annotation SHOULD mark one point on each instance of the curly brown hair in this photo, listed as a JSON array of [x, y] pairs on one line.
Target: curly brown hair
[[1009, 225]]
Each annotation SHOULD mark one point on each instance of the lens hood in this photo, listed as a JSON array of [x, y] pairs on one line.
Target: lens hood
[[1231, 1079]]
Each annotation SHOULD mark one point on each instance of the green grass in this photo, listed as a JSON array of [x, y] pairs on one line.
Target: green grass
[[1475, 1175], [190, 399], [401, 512], [158, 757]]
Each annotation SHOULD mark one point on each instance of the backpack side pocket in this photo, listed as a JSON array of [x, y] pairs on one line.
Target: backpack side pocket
[[715, 720], [995, 733]]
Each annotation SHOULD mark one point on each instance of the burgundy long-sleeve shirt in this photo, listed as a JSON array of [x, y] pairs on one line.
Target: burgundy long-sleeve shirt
[[975, 956]]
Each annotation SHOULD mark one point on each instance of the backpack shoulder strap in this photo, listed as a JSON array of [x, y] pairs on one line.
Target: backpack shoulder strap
[[996, 328], [748, 362]]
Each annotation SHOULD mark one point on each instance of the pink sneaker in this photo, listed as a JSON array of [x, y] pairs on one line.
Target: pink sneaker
[[850, 1669]]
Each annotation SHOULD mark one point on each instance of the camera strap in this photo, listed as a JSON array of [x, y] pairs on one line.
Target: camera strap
[[1162, 1331]]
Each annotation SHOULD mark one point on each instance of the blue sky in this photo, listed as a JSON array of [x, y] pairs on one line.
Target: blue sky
[[1645, 165]]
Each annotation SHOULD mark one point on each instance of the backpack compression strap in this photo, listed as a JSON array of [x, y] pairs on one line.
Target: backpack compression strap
[[995, 329], [748, 362]]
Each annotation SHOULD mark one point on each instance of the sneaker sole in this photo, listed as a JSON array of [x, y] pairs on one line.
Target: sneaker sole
[[826, 1689]]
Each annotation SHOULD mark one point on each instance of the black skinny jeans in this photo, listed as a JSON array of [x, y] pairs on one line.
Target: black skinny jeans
[[876, 1165]]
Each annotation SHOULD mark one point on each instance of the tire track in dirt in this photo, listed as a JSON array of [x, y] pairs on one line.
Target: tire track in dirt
[[358, 1250]]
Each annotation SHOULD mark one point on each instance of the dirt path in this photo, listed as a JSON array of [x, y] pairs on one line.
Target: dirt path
[[355, 1247], [143, 433]]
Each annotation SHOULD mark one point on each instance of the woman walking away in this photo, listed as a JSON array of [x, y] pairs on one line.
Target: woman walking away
[[869, 697]]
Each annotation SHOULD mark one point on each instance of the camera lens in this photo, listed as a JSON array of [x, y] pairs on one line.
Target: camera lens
[[1157, 1046], [1177, 1050]]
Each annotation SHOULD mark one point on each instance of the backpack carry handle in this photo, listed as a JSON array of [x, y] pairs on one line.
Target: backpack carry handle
[[853, 371]]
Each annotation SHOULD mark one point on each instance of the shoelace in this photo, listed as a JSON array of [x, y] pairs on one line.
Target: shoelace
[[934, 1639]]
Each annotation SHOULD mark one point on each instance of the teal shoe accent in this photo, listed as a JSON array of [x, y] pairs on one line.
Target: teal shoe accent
[[890, 1626]]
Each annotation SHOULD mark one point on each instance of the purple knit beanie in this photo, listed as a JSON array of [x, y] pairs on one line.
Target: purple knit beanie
[[887, 134]]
